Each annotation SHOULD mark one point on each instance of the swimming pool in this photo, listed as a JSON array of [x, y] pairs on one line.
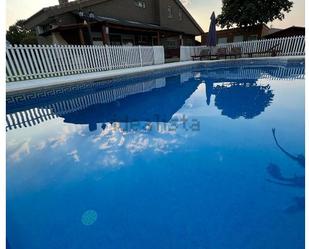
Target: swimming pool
[[207, 156]]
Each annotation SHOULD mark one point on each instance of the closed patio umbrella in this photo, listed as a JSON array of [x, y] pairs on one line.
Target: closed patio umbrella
[[212, 34]]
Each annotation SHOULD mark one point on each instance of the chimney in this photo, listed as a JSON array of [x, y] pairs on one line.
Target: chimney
[[63, 2]]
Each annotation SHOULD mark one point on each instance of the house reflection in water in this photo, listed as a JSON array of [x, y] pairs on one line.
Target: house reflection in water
[[157, 105], [136, 100]]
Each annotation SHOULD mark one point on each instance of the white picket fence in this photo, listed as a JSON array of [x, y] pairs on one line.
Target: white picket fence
[[288, 46], [37, 115], [26, 62]]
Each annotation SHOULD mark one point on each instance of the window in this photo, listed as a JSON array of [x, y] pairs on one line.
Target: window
[[140, 4], [39, 30], [115, 39], [252, 37], [96, 36], [128, 40], [170, 43], [180, 15], [169, 12], [238, 38], [188, 42], [154, 41], [222, 40]]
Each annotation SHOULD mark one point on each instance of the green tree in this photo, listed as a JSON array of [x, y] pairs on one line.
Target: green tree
[[244, 13], [19, 34]]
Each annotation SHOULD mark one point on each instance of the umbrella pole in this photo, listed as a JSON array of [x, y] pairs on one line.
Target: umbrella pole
[[211, 51]]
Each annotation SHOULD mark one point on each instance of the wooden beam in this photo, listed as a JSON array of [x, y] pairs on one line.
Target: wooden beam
[[181, 40], [90, 33], [159, 38], [121, 27], [81, 36], [105, 35], [167, 33]]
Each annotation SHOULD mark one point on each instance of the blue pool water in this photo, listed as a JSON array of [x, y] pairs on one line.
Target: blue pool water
[[206, 157]]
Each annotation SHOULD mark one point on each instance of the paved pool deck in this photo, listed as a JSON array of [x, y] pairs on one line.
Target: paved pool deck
[[18, 86]]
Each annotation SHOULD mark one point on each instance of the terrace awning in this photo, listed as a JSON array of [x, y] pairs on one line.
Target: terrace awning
[[124, 22]]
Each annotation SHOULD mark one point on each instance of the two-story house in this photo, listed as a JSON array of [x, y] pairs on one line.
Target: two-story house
[[117, 22]]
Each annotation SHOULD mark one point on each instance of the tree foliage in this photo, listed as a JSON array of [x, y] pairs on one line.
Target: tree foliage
[[243, 100], [19, 34], [244, 13]]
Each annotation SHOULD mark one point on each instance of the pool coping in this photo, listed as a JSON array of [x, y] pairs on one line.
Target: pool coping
[[18, 86]]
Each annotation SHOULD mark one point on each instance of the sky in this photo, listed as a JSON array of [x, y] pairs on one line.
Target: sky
[[200, 10]]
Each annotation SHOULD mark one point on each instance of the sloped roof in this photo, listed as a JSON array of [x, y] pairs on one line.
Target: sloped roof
[[55, 10], [235, 29], [63, 8], [281, 32], [273, 30], [189, 15]]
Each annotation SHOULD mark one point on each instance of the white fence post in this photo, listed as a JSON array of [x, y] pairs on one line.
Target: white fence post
[[140, 55], [159, 56], [109, 63]]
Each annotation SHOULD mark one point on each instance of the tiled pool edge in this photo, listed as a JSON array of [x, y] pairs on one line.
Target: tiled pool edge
[[14, 87], [18, 86]]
